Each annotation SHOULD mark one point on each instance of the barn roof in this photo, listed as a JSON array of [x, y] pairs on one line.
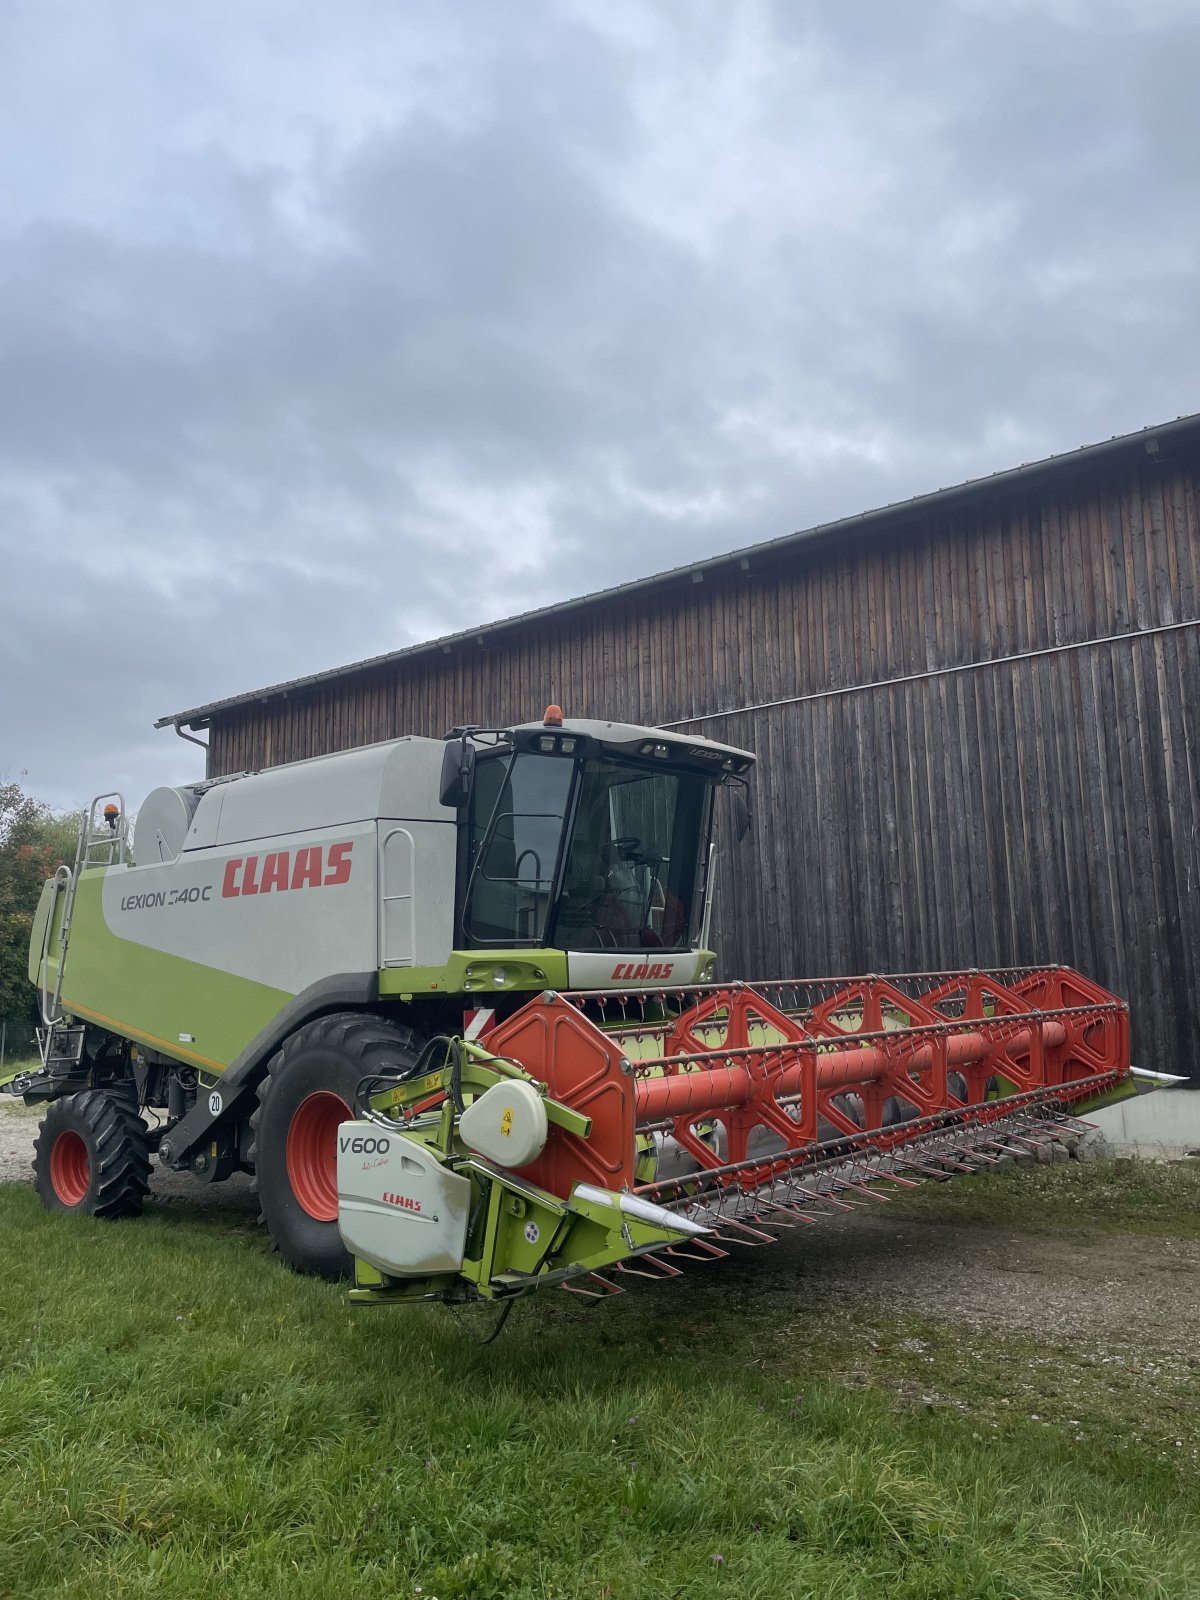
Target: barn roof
[[1148, 439]]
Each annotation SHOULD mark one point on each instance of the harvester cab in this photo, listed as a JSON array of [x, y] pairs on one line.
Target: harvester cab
[[451, 1003], [591, 839]]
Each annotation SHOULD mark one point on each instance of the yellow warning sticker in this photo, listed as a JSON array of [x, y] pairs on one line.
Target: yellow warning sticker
[[506, 1122]]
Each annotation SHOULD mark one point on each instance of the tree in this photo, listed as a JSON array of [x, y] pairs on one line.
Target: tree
[[33, 840]]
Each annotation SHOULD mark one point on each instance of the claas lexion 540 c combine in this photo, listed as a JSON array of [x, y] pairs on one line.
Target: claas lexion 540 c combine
[[452, 1003]]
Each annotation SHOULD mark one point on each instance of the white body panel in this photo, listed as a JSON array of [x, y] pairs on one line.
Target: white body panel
[[396, 779], [633, 1205], [633, 734], [163, 822], [416, 893], [398, 1207], [506, 1125], [623, 969], [344, 864]]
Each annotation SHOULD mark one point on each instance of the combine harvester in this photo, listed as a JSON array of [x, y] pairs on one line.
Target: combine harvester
[[451, 1003]]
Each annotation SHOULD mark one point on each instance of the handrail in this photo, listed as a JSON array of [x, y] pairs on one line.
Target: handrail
[[62, 879], [116, 841]]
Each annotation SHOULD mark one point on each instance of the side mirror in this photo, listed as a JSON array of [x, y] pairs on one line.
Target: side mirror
[[458, 773], [743, 819]]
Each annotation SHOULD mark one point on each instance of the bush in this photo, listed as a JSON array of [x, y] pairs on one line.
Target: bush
[[33, 841]]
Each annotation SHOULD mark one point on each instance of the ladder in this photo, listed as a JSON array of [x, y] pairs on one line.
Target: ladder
[[103, 842]]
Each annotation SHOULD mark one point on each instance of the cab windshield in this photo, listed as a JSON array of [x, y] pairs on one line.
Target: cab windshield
[[586, 855]]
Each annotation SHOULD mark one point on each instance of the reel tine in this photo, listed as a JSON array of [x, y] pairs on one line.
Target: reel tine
[[827, 1199], [974, 1152], [794, 1203], [695, 1250], [789, 1211], [986, 1152], [604, 1291], [861, 1188], [920, 1166], [767, 1216], [954, 1161], [775, 1216], [1032, 1146], [664, 1268], [754, 1236]]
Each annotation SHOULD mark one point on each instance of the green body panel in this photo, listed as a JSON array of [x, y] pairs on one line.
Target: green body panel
[[1123, 1091], [572, 1238], [151, 997], [38, 935], [473, 972], [504, 1255]]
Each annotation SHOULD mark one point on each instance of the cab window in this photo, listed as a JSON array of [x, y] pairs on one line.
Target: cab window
[[518, 816]]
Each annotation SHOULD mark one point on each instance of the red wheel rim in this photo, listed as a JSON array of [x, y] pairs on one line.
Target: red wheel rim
[[70, 1167], [312, 1153]]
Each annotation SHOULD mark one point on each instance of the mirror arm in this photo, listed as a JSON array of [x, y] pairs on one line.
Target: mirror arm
[[457, 773]]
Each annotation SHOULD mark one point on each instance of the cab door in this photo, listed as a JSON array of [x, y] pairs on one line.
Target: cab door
[[397, 900]]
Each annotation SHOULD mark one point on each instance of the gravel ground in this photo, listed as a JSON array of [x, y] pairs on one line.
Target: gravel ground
[[1077, 1284], [18, 1129]]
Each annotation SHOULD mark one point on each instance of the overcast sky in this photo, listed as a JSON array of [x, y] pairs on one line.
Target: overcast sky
[[327, 329]]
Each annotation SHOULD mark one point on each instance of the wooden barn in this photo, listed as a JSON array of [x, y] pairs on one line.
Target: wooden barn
[[976, 716]]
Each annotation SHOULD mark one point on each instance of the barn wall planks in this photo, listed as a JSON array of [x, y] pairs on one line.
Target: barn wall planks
[[1062, 825], [1002, 811]]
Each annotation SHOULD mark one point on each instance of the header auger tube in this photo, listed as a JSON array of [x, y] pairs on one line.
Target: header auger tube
[[598, 1132]]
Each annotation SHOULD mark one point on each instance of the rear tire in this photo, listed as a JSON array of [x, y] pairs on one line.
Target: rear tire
[[92, 1155], [308, 1091]]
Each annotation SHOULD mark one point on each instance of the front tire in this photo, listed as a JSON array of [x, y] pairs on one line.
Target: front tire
[[309, 1090], [92, 1155]]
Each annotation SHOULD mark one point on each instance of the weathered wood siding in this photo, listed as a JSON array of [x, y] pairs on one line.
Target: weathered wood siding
[[925, 797]]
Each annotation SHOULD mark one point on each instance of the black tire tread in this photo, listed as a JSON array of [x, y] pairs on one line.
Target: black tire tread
[[373, 1039], [119, 1146]]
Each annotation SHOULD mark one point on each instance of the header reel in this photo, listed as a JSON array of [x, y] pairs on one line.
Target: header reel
[[598, 1136]]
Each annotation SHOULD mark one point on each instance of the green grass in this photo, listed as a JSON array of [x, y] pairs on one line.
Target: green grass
[[10, 1104], [179, 1416], [22, 1063]]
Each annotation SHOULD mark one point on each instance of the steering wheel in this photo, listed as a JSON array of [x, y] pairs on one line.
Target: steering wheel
[[628, 846]]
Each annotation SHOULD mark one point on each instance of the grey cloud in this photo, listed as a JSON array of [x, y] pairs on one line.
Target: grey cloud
[[312, 372]]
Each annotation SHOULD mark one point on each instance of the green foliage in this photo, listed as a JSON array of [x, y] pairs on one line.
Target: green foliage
[[181, 1417], [33, 840]]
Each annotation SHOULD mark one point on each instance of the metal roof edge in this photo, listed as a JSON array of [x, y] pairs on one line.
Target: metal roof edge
[[198, 716]]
